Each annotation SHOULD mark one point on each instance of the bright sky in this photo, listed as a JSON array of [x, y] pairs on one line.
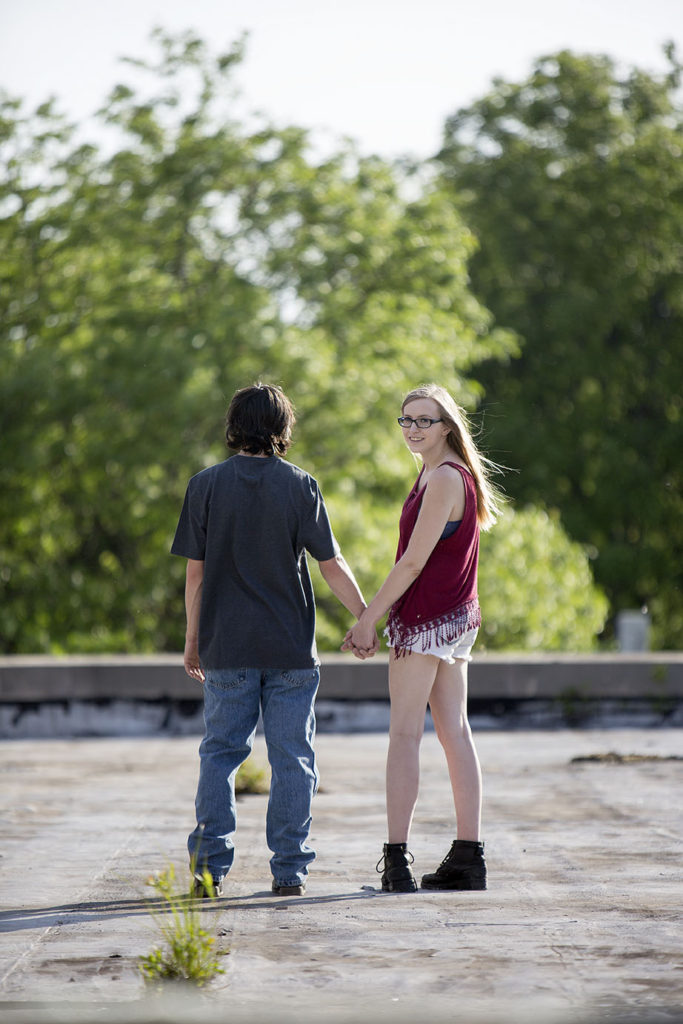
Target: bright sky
[[384, 72]]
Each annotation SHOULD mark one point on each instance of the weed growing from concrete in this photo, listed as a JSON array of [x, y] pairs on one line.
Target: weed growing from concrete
[[252, 777], [188, 952]]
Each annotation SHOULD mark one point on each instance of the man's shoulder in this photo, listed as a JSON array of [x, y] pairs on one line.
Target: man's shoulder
[[285, 478], [202, 483], [295, 472], [302, 482]]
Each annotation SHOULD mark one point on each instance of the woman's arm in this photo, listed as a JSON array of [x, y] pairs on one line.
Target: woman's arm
[[444, 491]]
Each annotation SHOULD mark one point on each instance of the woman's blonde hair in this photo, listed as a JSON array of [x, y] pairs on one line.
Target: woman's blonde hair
[[489, 497]]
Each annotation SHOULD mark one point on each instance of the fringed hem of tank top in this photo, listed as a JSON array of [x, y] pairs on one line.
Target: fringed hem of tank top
[[445, 629]]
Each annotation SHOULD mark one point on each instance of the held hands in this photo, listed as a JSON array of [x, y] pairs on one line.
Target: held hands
[[362, 640]]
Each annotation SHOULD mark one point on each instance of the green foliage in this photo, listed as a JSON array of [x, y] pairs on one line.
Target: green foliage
[[573, 183], [140, 289], [536, 587], [252, 777], [188, 954]]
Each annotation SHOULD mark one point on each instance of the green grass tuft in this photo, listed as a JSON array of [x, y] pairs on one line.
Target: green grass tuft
[[188, 951], [252, 777]]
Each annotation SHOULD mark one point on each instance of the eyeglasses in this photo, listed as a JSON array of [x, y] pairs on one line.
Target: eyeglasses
[[422, 422]]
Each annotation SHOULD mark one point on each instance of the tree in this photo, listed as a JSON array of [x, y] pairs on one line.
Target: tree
[[536, 587], [573, 183], [112, 359], [143, 287]]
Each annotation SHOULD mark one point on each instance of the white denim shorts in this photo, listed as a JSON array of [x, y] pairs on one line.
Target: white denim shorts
[[461, 650]]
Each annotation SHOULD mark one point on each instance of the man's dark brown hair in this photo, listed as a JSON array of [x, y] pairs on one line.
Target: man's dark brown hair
[[260, 420]]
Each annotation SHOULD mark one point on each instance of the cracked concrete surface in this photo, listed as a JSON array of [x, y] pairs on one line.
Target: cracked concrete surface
[[581, 922]]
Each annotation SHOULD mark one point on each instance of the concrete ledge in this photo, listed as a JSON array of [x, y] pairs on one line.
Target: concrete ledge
[[31, 679], [526, 676]]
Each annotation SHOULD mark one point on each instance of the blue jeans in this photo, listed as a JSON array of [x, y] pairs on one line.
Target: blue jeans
[[232, 700]]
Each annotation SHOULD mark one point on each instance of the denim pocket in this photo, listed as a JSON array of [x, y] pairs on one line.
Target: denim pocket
[[226, 678], [301, 676]]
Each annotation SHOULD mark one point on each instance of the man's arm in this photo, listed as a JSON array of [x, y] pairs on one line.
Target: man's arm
[[342, 583], [194, 581]]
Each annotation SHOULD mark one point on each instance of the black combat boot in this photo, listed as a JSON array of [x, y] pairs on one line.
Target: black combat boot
[[463, 867], [395, 867]]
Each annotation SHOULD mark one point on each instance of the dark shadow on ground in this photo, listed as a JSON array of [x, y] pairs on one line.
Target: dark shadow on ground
[[80, 913]]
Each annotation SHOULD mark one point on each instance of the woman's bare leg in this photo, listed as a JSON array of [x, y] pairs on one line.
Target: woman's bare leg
[[410, 681], [448, 703]]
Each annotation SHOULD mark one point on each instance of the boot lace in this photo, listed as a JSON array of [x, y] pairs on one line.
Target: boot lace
[[381, 864], [450, 860]]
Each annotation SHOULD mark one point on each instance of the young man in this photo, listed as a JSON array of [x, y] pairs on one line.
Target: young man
[[245, 527]]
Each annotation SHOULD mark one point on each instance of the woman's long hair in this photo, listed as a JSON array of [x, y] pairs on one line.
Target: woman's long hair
[[489, 498]]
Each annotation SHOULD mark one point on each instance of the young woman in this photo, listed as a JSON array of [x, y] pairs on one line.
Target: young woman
[[432, 625]]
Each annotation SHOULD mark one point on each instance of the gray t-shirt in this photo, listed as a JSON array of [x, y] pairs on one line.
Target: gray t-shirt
[[251, 520]]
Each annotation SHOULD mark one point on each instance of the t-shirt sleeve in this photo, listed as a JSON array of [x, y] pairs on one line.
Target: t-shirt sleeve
[[190, 535], [316, 532]]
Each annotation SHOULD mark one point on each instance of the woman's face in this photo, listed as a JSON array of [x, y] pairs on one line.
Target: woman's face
[[423, 438]]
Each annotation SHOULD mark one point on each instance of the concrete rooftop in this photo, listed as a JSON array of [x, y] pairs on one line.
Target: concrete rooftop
[[581, 922]]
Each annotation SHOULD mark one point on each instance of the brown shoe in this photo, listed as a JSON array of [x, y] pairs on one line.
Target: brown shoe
[[288, 890], [202, 889]]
